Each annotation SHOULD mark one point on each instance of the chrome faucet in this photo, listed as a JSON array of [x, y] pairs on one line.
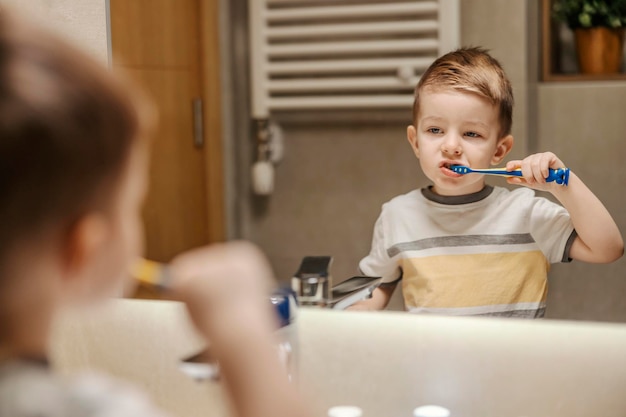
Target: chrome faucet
[[312, 281], [312, 284]]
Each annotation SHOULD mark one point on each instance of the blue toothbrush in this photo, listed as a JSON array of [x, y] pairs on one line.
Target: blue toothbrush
[[560, 176]]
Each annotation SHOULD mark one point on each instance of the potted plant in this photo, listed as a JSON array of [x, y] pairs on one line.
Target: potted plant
[[598, 27]]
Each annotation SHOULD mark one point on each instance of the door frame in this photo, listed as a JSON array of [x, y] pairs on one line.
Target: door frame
[[210, 67], [210, 70]]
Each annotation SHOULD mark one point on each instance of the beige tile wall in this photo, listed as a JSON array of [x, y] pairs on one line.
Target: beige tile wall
[[585, 125], [83, 21]]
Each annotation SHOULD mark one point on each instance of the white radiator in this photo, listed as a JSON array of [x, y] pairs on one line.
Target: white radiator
[[344, 54]]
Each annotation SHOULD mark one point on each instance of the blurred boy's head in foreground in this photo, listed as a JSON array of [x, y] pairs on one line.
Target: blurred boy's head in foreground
[[72, 172]]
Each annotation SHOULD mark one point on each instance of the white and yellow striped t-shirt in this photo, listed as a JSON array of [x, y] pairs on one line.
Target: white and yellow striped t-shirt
[[486, 253]]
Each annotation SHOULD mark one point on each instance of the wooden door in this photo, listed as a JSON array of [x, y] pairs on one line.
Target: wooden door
[[171, 48]]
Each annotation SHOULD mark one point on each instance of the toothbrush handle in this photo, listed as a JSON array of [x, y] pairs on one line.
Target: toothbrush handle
[[503, 172], [560, 176]]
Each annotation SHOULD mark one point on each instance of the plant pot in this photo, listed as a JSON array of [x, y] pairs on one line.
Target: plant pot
[[599, 50]]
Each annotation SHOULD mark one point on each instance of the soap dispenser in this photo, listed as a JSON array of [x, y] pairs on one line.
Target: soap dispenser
[[285, 304]]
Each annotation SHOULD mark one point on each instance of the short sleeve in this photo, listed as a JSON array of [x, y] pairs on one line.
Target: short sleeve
[[378, 263], [87, 395], [552, 229], [97, 396]]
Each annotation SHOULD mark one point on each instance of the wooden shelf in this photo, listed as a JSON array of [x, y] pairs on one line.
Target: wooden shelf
[[552, 47]]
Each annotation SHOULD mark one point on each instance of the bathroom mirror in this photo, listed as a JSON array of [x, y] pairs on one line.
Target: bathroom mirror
[[339, 167]]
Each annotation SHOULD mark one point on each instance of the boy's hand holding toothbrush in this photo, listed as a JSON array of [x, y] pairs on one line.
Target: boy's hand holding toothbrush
[[598, 239], [535, 169], [226, 287], [228, 279]]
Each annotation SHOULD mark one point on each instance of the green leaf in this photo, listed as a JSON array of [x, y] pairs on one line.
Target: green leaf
[[585, 20], [590, 13], [589, 8]]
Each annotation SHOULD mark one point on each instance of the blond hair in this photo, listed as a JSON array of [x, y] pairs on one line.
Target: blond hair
[[471, 70]]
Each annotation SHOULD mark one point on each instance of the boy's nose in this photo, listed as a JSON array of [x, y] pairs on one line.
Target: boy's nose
[[451, 145]]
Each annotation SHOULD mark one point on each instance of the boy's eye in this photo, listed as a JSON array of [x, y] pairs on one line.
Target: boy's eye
[[472, 134], [434, 130]]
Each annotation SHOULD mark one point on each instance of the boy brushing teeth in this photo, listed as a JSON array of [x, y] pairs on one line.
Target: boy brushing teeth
[[461, 247]]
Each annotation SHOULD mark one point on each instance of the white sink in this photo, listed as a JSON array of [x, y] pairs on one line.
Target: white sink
[[390, 363]]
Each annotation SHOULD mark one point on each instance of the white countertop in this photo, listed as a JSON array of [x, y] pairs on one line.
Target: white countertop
[[390, 363], [386, 363]]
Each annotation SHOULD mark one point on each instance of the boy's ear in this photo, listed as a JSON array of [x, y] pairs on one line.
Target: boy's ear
[[411, 135], [84, 239], [503, 148]]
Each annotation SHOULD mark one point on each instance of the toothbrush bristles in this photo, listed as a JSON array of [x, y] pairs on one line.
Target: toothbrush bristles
[[459, 169], [149, 272]]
